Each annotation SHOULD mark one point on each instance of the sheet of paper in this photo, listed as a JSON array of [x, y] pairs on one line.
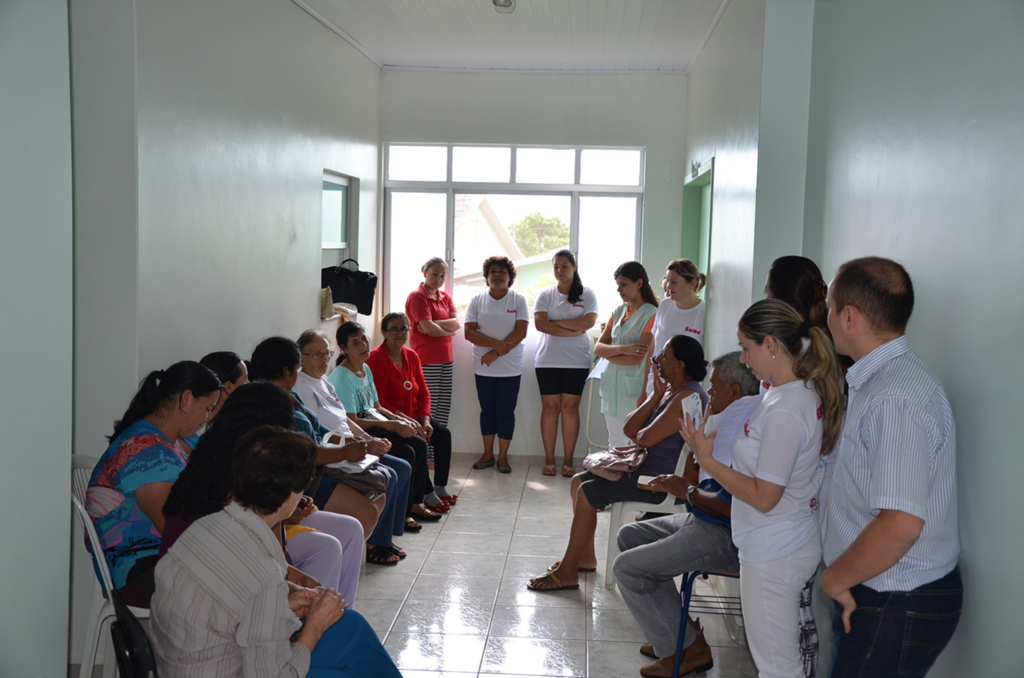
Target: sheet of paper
[[599, 369]]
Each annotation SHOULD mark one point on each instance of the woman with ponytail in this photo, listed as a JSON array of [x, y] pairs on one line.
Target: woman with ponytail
[[682, 311], [625, 343], [776, 475], [148, 449], [562, 314]]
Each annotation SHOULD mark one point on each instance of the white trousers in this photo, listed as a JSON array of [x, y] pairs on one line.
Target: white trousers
[[770, 593], [616, 438]]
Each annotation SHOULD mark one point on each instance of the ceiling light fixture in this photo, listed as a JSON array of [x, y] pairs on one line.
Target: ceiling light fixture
[[504, 6]]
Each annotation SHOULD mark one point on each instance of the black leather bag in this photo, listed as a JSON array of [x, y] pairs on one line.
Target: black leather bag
[[351, 287]]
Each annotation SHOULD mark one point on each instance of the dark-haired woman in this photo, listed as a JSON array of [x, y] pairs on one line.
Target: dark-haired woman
[[433, 323], [223, 606], [231, 371], [277, 360], [680, 367], [148, 450], [323, 545], [798, 282], [562, 314], [402, 388], [776, 475], [496, 323], [681, 312], [625, 343], [353, 381]]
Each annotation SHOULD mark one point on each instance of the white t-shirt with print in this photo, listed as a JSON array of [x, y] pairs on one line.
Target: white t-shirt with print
[[669, 321], [571, 352], [497, 318], [780, 443]]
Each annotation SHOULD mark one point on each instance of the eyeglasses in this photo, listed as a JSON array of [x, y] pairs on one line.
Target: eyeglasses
[[658, 356], [397, 330], [320, 355]]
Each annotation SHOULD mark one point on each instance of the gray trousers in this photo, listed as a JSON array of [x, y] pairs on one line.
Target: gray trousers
[[655, 551]]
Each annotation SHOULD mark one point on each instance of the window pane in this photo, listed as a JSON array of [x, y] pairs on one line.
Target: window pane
[[418, 163], [610, 168], [480, 163], [417, 234], [607, 239], [333, 227], [545, 165], [528, 229]]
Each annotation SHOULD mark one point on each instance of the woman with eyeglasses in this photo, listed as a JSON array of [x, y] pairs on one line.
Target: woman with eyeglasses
[[402, 388]]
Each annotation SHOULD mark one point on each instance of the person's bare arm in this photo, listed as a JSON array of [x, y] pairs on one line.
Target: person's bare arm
[[637, 419], [353, 451], [517, 335], [450, 324], [433, 328], [665, 424], [478, 338], [883, 542], [581, 324], [151, 498], [541, 322], [703, 499]]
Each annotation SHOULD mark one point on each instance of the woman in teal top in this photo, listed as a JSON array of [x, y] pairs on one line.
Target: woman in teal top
[[625, 342]]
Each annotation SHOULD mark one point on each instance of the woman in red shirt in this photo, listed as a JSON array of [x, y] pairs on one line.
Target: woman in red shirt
[[433, 324], [401, 387]]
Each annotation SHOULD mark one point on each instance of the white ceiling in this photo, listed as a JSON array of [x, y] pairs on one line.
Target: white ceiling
[[566, 36]]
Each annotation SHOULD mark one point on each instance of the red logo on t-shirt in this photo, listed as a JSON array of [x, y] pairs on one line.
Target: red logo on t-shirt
[[510, 310], [693, 331], [578, 306], [814, 504], [746, 428], [821, 411]]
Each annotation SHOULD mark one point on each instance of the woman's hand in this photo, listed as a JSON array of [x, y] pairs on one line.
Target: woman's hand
[[304, 508], [428, 429], [702, 445], [489, 358], [633, 349], [674, 485], [499, 346], [300, 599], [401, 427], [324, 609], [659, 384], [355, 450], [378, 447]]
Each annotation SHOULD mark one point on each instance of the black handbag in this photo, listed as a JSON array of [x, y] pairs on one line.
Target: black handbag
[[351, 287]]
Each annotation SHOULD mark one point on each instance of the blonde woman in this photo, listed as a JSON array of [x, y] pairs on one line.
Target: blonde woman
[[681, 312]]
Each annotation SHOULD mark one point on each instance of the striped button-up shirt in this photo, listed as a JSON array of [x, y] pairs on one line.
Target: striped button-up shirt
[[221, 604], [897, 452]]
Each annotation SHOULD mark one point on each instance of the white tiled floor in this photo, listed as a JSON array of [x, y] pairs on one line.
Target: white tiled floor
[[458, 606]]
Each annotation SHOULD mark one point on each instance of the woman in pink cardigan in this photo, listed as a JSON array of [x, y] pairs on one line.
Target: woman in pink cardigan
[[401, 388]]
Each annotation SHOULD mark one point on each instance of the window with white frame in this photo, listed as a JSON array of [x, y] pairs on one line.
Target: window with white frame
[[466, 203]]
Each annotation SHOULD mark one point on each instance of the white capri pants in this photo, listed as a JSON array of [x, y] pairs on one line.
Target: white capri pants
[[616, 438], [770, 593]]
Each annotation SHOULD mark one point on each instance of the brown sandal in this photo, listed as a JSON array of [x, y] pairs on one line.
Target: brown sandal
[[536, 584]]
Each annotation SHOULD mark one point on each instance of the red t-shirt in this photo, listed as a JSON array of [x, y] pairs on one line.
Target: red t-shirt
[[398, 390], [419, 306]]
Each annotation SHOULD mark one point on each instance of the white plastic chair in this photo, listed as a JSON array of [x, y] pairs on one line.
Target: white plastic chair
[[101, 613], [623, 510]]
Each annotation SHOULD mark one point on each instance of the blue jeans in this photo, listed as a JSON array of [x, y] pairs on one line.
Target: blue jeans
[[498, 397], [896, 633], [351, 649], [392, 518]]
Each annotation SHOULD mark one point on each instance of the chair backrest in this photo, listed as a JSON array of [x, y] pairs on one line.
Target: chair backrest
[[81, 471], [94, 544], [132, 649]]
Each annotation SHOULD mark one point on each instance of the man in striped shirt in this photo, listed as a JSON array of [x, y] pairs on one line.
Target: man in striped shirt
[[891, 536]]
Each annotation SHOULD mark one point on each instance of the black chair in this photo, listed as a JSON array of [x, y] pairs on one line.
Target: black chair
[[132, 649], [728, 606]]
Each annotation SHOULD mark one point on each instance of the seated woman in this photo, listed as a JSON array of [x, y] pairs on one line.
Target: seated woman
[[680, 368], [231, 371], [223, 606], [325, 546], [277, 360], [353, 381], [148, 449], [403, 389], [318, 394]]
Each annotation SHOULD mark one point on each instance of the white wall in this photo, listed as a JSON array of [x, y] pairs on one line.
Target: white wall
[[722, 118], [35, 336], [917, 153], [202, 131], [602, 110]]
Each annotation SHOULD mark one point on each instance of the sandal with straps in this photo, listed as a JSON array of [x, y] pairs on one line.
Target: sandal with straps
[[536, 584], [548, 470], [381, 555]]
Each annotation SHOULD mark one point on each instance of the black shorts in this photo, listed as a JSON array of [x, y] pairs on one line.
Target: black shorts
[[601, 492], [558, 380]]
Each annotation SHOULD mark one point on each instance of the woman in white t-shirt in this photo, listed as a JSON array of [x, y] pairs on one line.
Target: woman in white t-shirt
[[562, 314], [776, 475], [681, 312], [496, 323]]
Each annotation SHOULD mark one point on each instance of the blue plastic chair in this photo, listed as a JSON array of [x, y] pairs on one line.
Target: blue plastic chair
[[726, 606]]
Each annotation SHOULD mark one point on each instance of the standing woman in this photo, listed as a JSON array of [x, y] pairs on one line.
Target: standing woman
[[776, 475], [148, 450], [432, 316], [562, 314], [625, 342], [798, 282], [496, 324], [682, 311]]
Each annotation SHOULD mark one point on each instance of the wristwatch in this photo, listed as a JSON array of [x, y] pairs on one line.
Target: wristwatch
[[690, 490]]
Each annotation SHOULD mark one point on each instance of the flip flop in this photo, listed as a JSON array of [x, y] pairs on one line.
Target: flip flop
[[578, 569], [484, 464], [567, 471], [534, 584], [548, 470]]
